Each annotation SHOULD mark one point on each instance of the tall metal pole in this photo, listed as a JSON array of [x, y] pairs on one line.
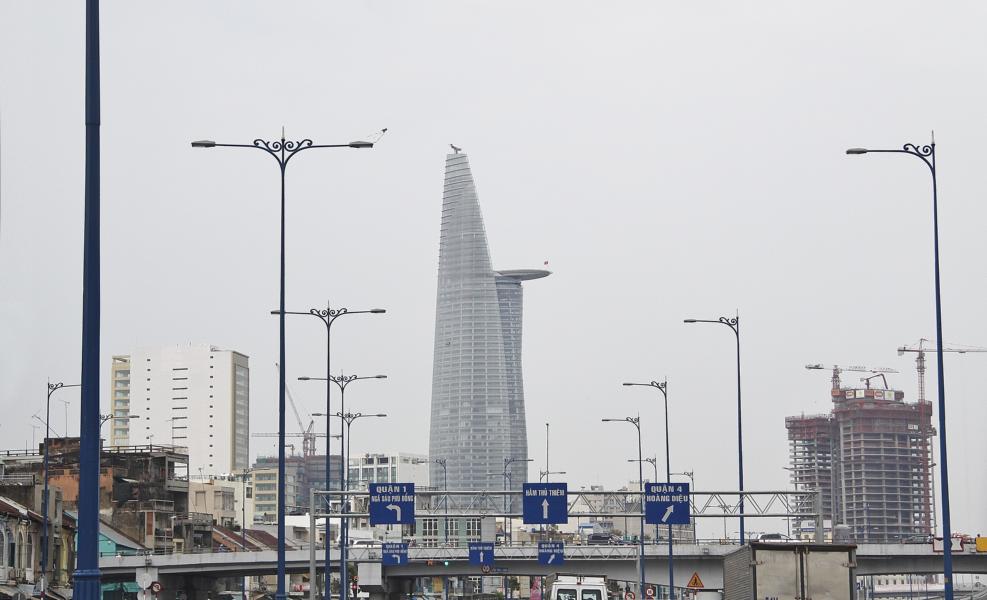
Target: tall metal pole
[[927, 153], [243, 523], [282, 151], [734, 324], [636, 422], [640, 481], [87, 575], [45, 540], [668, 479], [282, 592], [328, 316]]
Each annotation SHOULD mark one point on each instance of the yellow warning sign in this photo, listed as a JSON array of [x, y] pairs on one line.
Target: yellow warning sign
[[695, 582]]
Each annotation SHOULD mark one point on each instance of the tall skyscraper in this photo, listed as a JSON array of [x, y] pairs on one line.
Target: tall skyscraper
[[871, 458], [196, 396], [477, 417]]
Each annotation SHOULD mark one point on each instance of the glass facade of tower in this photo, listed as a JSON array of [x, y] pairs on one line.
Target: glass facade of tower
[[477, 414]]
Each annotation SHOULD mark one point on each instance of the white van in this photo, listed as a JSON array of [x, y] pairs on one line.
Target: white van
[[577, 587]]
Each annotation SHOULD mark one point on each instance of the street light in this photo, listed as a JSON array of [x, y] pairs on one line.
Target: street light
[[734, 324], [692, 487], [341, 382], [927, 154], [328, 316], [52, 388], [347, 418], [636, 422], [282, 152], [662, 386]]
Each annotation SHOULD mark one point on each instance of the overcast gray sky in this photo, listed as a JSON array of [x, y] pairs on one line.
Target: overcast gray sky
[[669, 160]]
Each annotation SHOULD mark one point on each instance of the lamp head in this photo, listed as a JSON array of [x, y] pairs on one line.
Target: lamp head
[[359, 144], [856, 151], [203, 144], [689, 321], [304, 378], [380, 376], [377, 311]]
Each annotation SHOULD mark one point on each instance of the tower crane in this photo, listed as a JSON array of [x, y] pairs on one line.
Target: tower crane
[[837, 369], [920, 360], [307, 434]]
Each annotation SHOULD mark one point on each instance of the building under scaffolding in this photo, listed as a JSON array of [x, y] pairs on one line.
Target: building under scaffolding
[[871, 459]]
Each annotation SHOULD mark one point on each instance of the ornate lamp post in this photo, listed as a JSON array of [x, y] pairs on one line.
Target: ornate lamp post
[[927, 154], [52, 388], [282, 151], [328, 316], [734, 324], [636, 422]]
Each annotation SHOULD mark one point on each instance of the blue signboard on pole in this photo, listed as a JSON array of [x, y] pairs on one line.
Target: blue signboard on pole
[[545, 503], [481, 553], [392, 503], [551, 553], [394, 554], [666, 503]]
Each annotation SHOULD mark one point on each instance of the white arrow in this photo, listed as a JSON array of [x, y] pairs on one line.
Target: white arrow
[[544, 509], [551, 557], [396, 509], [668, 513], [397, 558]]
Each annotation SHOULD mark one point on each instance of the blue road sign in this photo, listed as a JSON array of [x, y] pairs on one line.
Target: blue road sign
[[394, 554], [551, 553], [545, 503], [392, 503], [666, 503], [481, 553]]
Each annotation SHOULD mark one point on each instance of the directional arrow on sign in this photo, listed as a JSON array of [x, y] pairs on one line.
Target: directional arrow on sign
[[396, 509], [544, 509], [551, 557], [668, 513], [396, 557]]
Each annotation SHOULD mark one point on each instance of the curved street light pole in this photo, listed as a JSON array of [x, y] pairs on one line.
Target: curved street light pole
[[734, 324], [52, 388], [328, 316], [927, 154], [662, 386], [341, 382], [348, 419], [636, 422], [282, 151]]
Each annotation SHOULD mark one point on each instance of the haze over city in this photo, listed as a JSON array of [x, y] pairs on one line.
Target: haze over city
[[663, 161]]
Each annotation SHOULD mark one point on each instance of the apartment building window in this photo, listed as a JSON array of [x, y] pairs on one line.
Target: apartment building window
[[473, 530], [430, 532], [452, 530]]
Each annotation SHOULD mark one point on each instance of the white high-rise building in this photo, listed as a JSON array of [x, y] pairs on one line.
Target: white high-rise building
[[196, 396]]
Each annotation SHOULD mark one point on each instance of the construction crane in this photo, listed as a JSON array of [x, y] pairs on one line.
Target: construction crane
[[308, 433], [920, 360], [837, 369]]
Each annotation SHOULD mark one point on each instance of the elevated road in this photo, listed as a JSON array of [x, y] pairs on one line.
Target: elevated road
[[616, 562]]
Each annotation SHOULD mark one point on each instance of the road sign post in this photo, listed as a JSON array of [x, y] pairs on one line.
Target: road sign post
[[551, 553], [392, 503], [666, 503], [481, 553], [393, 554], [545, 503]]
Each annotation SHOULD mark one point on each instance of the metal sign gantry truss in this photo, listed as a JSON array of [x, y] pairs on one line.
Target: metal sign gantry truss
[[803, 504]]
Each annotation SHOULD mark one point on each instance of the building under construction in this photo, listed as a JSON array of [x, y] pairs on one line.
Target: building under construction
[[871, 460]]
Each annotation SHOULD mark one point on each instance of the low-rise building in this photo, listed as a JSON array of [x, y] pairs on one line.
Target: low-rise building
[[21, 548]]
